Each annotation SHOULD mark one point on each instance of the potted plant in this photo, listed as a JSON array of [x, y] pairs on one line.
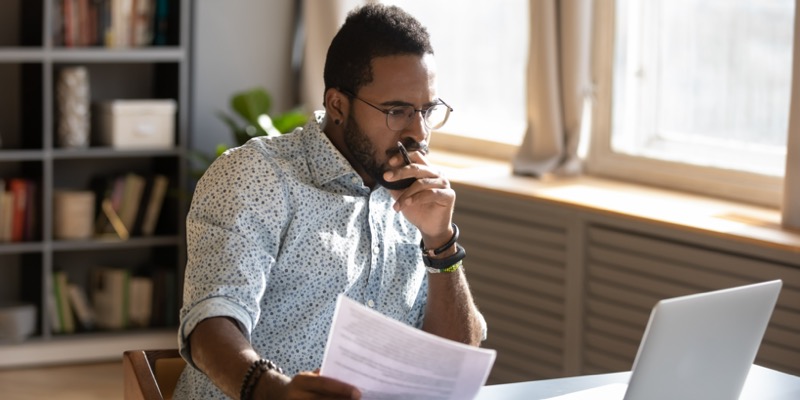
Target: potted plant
[[252, 119]]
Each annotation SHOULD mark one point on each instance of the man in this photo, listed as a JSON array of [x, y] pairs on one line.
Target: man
[[281, 226]]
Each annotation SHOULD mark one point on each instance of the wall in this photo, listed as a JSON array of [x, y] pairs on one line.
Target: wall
[[238, 44]]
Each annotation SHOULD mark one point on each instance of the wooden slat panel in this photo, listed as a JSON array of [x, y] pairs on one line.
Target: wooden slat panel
[[490, 307], [525, 332], [527, 352], [686, 254], [515, 265], [598, 361], [508, 231], [607, 326], [628, 273], [513, 278], [506, 208]]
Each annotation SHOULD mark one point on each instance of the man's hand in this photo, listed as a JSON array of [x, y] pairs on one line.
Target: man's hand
[[428, 203], [306, 385]]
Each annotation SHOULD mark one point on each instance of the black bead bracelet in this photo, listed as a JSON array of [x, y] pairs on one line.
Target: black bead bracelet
[[257, 368]]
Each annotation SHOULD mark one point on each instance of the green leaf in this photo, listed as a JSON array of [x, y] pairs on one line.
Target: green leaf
[[221, 148], [287, 122], [251, 103]]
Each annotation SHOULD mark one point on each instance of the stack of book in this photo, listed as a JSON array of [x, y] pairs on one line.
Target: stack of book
[[111, 23], [129, 204], [18, 205], [115, 299]]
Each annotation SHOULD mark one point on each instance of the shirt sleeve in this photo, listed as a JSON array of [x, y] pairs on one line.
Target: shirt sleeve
[[233, 235]]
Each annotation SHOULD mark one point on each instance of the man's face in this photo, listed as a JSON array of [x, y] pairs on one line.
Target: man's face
[[366, 154], [397, 80]]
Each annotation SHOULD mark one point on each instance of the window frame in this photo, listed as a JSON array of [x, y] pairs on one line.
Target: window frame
[[602, 160]]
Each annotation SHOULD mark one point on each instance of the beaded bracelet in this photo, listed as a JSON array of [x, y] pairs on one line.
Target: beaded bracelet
[[254, 372]]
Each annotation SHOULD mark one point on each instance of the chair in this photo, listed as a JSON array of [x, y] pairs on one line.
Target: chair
[[151, 374]]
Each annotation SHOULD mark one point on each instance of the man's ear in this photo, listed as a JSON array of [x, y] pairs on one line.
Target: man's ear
[[336, 105]]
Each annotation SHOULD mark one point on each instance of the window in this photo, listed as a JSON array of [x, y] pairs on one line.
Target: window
[[481, 54], [695, 94]]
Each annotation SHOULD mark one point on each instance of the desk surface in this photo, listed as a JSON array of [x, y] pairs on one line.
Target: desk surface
[[762, 384]]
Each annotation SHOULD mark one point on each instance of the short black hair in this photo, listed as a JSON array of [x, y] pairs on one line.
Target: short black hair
[[373, 30]]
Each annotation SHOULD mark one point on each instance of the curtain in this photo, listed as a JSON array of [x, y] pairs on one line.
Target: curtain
[[557, 86], [790, 209], [320, 21]]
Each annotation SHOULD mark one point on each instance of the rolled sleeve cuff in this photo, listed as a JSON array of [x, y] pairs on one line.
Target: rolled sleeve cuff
[[208, 308]]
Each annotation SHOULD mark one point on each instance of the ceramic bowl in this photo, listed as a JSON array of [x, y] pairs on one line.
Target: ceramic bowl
[[17, 321]]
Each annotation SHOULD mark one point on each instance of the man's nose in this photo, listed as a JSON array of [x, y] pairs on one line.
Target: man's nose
[[417, 129]]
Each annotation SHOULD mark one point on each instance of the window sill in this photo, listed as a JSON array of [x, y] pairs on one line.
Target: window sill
[[728, 219]]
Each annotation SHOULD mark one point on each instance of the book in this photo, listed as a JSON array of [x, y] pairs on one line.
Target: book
[[19, 189], [133, 188], [141, 301], [110, 295], [58, 23], [6, 212], [142, 22], [103, 188], [165, 300], [82, 33], [31, 215], [69, 22], [161, 22], [80, 304], [61, 289], [153, 203], [52, 307]]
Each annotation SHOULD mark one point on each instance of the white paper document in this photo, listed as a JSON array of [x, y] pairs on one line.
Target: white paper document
[[389, 360]]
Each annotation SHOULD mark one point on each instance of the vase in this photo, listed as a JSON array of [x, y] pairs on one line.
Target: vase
[[72, 93]]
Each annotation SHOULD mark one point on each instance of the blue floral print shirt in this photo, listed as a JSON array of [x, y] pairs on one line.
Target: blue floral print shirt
[[277, 229]]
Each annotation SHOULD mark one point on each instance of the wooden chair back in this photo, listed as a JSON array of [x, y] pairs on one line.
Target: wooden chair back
[[151, 374]]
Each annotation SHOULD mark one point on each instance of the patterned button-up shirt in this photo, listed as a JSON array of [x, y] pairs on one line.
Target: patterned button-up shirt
[[277, 229]]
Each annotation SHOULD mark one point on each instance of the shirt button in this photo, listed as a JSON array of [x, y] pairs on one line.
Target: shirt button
[[376, 250], [370, 303]]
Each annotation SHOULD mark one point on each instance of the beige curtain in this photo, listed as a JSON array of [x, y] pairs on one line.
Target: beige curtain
[[790, 209], [558, 85], [321, 21]]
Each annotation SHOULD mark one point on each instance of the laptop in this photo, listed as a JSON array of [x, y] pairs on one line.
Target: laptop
[[699, 346]]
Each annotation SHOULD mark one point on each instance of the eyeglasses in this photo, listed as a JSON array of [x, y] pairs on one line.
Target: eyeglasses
[[399, 117]]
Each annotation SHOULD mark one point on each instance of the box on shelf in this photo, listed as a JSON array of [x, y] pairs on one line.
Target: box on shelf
[[73, 214], [17, 321], [137, 124]]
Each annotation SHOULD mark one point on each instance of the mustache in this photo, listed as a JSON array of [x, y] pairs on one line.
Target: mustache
[[410, 146]]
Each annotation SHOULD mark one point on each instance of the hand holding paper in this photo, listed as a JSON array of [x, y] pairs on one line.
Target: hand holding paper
[[387, 359]]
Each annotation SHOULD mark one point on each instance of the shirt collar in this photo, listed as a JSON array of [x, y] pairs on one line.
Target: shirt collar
[[326, 162]]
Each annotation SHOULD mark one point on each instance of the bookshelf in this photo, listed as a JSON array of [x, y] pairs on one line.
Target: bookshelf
[[32, 53]]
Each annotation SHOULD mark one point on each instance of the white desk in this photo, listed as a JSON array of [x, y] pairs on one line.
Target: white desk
[[762, 384]]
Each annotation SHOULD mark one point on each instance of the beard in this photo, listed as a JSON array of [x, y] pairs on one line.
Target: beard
[[365, 155]]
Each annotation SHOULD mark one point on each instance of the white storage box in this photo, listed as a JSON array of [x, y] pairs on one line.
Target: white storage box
[[137, 124]]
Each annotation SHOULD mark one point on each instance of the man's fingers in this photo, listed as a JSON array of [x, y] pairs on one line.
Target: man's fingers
[[324, 386]]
